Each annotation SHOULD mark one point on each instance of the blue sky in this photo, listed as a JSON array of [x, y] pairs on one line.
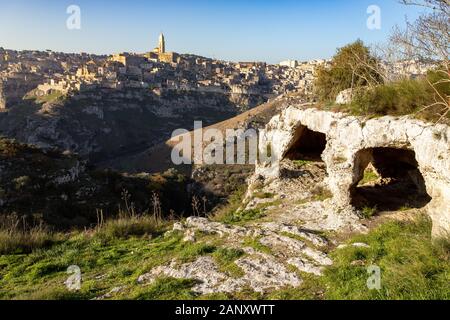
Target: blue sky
[[245, 30]]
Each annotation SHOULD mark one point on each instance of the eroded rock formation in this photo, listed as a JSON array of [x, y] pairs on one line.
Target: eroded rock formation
[[410, 156]]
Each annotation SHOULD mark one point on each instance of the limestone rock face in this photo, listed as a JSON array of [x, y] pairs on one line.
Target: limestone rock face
[[344, 97], [397, 145]]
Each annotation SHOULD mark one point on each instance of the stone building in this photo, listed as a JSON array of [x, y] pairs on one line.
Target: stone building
[[160, 54], [161, 48]]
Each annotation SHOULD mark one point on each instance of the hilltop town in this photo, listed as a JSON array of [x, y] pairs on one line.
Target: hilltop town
[[155, 71], [49, 73]]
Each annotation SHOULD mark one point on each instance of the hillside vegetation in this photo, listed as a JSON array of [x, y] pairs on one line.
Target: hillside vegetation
[[412, 267], [373, 92], [62, 192]]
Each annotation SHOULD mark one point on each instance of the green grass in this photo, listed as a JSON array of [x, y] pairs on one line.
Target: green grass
[[256, 244], [301, 163], [225, 258], [369, 176], [105, 263], [124, 227], [243, 216], [16, 242], [405, 207], [234, 203], [311, 289], [412, 266], [167, 289], [264, 195], [368, 212], [401, 97], [17, 238]]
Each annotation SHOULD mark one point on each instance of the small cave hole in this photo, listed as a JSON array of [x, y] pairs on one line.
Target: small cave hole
[[307, 145], [303, 158]]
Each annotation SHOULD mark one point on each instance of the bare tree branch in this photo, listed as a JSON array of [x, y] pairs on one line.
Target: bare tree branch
[[428, 38]]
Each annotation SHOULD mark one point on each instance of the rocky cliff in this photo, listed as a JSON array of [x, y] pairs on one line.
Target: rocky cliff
[[107, 124]]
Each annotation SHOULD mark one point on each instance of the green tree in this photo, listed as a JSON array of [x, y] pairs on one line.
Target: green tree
[[353, 66]]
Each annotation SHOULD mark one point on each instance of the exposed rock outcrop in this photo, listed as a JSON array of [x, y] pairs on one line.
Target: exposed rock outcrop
[[271, 254], [344, 97], [410, 152]]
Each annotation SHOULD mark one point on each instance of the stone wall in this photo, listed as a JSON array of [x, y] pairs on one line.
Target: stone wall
[[350, 140]]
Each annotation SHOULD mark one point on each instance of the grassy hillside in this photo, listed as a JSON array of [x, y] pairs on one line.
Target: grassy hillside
[[412, 267]]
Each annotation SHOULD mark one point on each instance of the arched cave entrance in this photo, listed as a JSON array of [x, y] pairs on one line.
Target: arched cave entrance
[[303, 158], [388, 179], [307, 145]]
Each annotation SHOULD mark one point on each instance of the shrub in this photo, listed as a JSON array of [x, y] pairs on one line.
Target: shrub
[[234, 203], [403, 97], [397, 98], [22, 182], [347, 71]]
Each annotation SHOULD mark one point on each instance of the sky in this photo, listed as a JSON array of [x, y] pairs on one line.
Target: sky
[[234, 30]]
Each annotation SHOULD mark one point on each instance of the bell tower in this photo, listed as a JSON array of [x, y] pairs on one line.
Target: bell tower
[[162, 44]]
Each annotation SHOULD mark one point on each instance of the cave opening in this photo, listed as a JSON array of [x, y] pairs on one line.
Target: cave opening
[[307, 145], [389, 179]]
